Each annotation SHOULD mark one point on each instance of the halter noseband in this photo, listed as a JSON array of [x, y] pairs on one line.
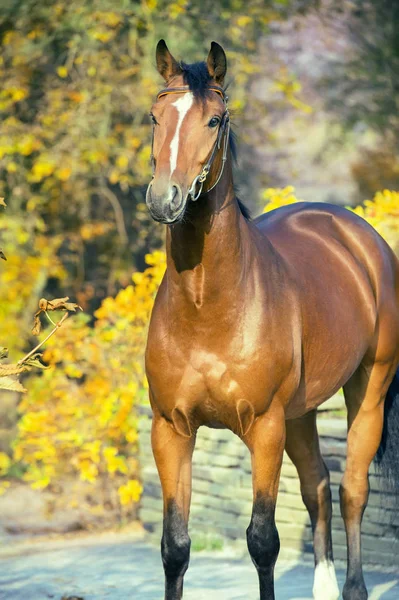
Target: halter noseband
[[224, 130]]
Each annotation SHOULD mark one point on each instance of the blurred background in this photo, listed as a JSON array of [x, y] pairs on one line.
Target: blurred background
[[313, 88]]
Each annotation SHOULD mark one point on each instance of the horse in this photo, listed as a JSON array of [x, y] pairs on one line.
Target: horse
[[256, 323]]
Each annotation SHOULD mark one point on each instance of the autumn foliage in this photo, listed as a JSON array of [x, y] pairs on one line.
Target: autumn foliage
[[79, 418], [382, 212]]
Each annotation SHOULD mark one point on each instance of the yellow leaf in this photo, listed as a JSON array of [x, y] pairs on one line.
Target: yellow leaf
[[88, 471], [134, 142], [42, 168], [122, 161], [132, 436], [63, 174], [114, 176], [73, 371], [5, 463], [130, 492], [18, 94], [4, 485], [76, 96], [243, 20], [40, 484], [62, 72]]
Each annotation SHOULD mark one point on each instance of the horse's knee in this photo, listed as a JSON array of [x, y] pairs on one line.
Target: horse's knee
[[317, 498], [175, 544], [353, 495], [262, 535]]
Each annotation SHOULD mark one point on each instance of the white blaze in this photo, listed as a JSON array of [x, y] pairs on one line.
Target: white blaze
[[183, 105], [325, 581]]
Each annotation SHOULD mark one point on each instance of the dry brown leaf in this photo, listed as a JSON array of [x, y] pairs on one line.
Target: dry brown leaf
[[12, 384], [50, 305], [3, 352], [58, 304], [6, 370], [37, 325]]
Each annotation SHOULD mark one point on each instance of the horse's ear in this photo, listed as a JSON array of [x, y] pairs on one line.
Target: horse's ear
[[217, 63], [166, 64]]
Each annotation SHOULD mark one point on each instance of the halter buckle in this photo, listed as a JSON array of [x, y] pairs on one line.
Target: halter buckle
[[204, 174]]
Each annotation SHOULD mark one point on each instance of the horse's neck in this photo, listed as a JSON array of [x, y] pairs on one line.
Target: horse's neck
[[205, 255]]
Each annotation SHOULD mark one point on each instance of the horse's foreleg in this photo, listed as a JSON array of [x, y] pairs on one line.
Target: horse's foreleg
[[173, 457], [364, 396], [266, 441], [302, 446]]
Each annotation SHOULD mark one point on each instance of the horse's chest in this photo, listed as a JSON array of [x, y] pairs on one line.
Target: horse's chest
[[220, 377], [210, 384], [210, 366]]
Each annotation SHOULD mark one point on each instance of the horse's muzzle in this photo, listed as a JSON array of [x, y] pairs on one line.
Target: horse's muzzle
[[165, 206]]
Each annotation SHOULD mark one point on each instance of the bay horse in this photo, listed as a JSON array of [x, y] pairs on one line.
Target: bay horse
[[255, 324]]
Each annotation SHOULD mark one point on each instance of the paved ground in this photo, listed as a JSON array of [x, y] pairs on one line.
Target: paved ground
[[121, 569]]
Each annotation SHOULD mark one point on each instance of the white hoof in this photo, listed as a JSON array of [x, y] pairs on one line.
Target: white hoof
[[325, 582]]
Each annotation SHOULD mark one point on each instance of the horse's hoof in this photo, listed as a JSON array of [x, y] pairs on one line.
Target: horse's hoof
[[355, 589]]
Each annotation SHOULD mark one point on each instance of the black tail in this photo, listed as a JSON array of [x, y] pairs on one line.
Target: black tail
[[387, 457]]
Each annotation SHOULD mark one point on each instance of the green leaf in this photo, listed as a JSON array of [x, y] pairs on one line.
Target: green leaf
[[34, 361]]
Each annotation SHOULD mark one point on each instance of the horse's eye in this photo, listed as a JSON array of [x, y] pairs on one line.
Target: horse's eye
[[214, 122], [153, 119]]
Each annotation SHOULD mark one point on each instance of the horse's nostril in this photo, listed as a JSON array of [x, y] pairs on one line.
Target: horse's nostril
[[175, 202], [148, 194]]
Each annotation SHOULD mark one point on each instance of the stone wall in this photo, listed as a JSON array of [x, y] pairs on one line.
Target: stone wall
[[222, 496]]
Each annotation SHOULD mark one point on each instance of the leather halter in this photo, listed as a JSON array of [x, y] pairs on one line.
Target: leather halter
[[224, 132]]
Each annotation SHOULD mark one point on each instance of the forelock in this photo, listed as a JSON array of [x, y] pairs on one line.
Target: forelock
[[197, 77]]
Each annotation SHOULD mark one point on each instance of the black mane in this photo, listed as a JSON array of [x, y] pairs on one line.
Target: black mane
[[246, 213], [197, 77]]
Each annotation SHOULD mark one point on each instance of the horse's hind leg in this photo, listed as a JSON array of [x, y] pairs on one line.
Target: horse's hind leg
[[364, 396], [173, 456], [302, 446]]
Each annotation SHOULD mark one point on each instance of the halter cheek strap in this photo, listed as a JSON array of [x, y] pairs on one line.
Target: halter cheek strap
[[195, 190], [224, 131]]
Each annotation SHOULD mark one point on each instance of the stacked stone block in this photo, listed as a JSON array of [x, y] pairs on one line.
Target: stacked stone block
[[222, 496]]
